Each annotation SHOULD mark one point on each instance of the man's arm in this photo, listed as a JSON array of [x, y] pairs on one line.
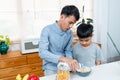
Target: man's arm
[[44, 48], [68, 49]]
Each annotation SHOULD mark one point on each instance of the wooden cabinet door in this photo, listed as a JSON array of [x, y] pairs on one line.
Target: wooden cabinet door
[[12, 62]]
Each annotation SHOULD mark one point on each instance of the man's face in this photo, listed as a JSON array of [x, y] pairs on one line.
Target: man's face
[[67, 22]]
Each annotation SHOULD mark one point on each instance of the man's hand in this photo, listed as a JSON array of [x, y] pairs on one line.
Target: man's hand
[[71, 62]]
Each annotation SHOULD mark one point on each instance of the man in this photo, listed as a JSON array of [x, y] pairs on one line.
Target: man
[[56, 41]]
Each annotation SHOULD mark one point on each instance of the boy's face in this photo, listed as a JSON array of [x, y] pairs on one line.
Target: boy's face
[[85, 42]]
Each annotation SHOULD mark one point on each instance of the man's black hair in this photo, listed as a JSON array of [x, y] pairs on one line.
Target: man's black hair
[[71, 10]]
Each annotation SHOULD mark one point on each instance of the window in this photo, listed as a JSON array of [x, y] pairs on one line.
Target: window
[[25, 18], [8, 19]]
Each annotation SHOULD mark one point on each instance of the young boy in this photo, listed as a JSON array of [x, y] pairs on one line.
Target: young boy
[[85, 51]]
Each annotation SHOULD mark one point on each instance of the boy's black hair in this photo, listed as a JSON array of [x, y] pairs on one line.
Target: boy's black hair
[[84, 30], [71, 10]]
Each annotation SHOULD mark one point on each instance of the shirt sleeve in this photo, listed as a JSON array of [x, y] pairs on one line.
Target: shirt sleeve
[[99, 54], [73, 53], [44, 52], [68, 49]]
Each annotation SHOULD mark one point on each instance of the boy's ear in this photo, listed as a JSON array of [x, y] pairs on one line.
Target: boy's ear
[[92, 35]]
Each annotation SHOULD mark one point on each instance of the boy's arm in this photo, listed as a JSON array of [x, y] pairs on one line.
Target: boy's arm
[[99, 56], [98, 62]]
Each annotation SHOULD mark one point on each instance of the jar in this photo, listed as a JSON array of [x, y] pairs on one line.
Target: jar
[[63, 72]]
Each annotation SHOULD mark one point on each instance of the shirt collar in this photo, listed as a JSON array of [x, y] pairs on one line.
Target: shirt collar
[[58, 29]]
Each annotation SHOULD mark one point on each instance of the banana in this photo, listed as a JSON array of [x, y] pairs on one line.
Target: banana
[[18, 77], [26, 77]]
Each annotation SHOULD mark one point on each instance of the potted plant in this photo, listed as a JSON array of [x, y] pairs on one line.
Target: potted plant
[[87, 20], [84, 20], [4, 44]]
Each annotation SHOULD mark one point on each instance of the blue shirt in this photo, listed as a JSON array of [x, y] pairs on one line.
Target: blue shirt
[[54, 43]]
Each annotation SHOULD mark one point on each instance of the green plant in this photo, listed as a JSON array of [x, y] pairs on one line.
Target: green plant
[[87, 20], [5, 39], [84, 20]]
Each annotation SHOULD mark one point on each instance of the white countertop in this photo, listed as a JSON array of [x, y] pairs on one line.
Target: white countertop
[[108, 71]]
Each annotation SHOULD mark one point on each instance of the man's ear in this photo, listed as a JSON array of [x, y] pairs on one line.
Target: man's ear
[[62, 16]]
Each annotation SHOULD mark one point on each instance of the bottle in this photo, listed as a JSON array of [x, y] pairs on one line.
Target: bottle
[[63, 72]]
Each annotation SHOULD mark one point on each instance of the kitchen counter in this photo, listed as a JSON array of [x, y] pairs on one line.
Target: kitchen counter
[[108, 71]]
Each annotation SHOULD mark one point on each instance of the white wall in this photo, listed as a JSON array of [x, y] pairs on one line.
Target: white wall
[[114, 27], [106, 19], [101, 23]]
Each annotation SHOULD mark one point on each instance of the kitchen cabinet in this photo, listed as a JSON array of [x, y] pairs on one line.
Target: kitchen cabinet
[[14, 63]]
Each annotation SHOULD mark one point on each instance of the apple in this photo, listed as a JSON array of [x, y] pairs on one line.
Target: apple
[[33, 77]]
